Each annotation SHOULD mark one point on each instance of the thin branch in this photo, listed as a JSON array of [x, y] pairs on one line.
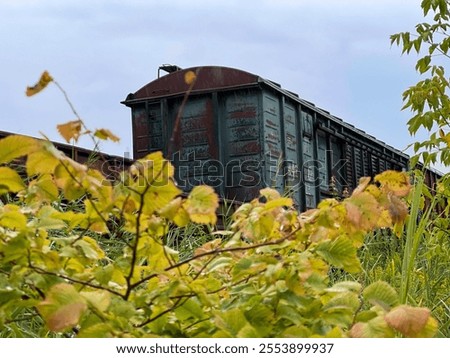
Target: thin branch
[[176, 128], [219, 251], [138, 230], [73, 280], [142, 324], [69, 102]]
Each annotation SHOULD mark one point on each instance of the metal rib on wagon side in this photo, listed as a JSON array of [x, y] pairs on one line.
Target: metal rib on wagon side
[[239, 132]]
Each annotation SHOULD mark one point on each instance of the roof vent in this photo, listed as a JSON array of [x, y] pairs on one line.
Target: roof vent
[[168, 68]]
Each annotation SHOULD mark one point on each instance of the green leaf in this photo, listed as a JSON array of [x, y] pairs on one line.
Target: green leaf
[[375, 328], [190, 309], [42, 190], [340, 253], [100, 300], [382, 294], [341, 308], [231, 322], [417, 44], [90, 248], [47, 221], [345, 286], [104, 274], [62, 307], [99, 330]]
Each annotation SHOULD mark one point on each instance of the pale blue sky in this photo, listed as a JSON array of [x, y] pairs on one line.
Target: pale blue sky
[[334, 53]]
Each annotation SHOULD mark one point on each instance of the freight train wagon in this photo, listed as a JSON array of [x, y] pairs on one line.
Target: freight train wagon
[[239, 132]]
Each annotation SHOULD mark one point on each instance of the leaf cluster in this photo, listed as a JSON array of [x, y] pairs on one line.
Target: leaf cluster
[[429, 99], [267, 276]]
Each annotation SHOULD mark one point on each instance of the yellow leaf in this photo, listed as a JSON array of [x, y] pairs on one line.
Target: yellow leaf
[[41, 162], [201, 205], [38, 87], [175, 212], [270, 194], [396, 182], [43, 189], [106, 134], [154, 169], [90, 248], [208, 247], [70, 130], [15, 146], [158, 196], [62, 307], [64, 178], [397, 209], [363, 211], [99, 299], [447, 139], [12, 218], [190, 77], [10, 181]]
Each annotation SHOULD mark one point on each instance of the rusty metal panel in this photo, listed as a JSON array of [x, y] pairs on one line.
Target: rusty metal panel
[[195, 151], [147, 129], [242, 141], [140, 131], [209, 78], [155, 127]]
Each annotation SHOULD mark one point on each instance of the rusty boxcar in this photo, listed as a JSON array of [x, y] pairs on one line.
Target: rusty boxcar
[[240, 132]]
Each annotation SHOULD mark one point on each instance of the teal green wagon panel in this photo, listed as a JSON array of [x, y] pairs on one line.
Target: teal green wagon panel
[[273, 151], [292, 172]]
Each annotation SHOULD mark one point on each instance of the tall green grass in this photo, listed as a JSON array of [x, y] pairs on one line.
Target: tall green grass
[[417, 264]]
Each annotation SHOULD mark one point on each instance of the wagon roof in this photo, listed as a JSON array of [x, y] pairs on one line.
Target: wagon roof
[[209, 78]]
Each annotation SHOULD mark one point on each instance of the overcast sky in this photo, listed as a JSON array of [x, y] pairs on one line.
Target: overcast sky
[[334, 53]]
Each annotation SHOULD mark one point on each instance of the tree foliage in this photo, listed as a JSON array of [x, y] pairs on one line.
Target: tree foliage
[[429, 98]]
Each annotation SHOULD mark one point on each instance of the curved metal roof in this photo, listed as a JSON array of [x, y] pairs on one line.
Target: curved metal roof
[[209, 78]]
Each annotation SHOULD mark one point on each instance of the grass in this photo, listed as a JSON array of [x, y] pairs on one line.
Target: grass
[[416, 264]]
